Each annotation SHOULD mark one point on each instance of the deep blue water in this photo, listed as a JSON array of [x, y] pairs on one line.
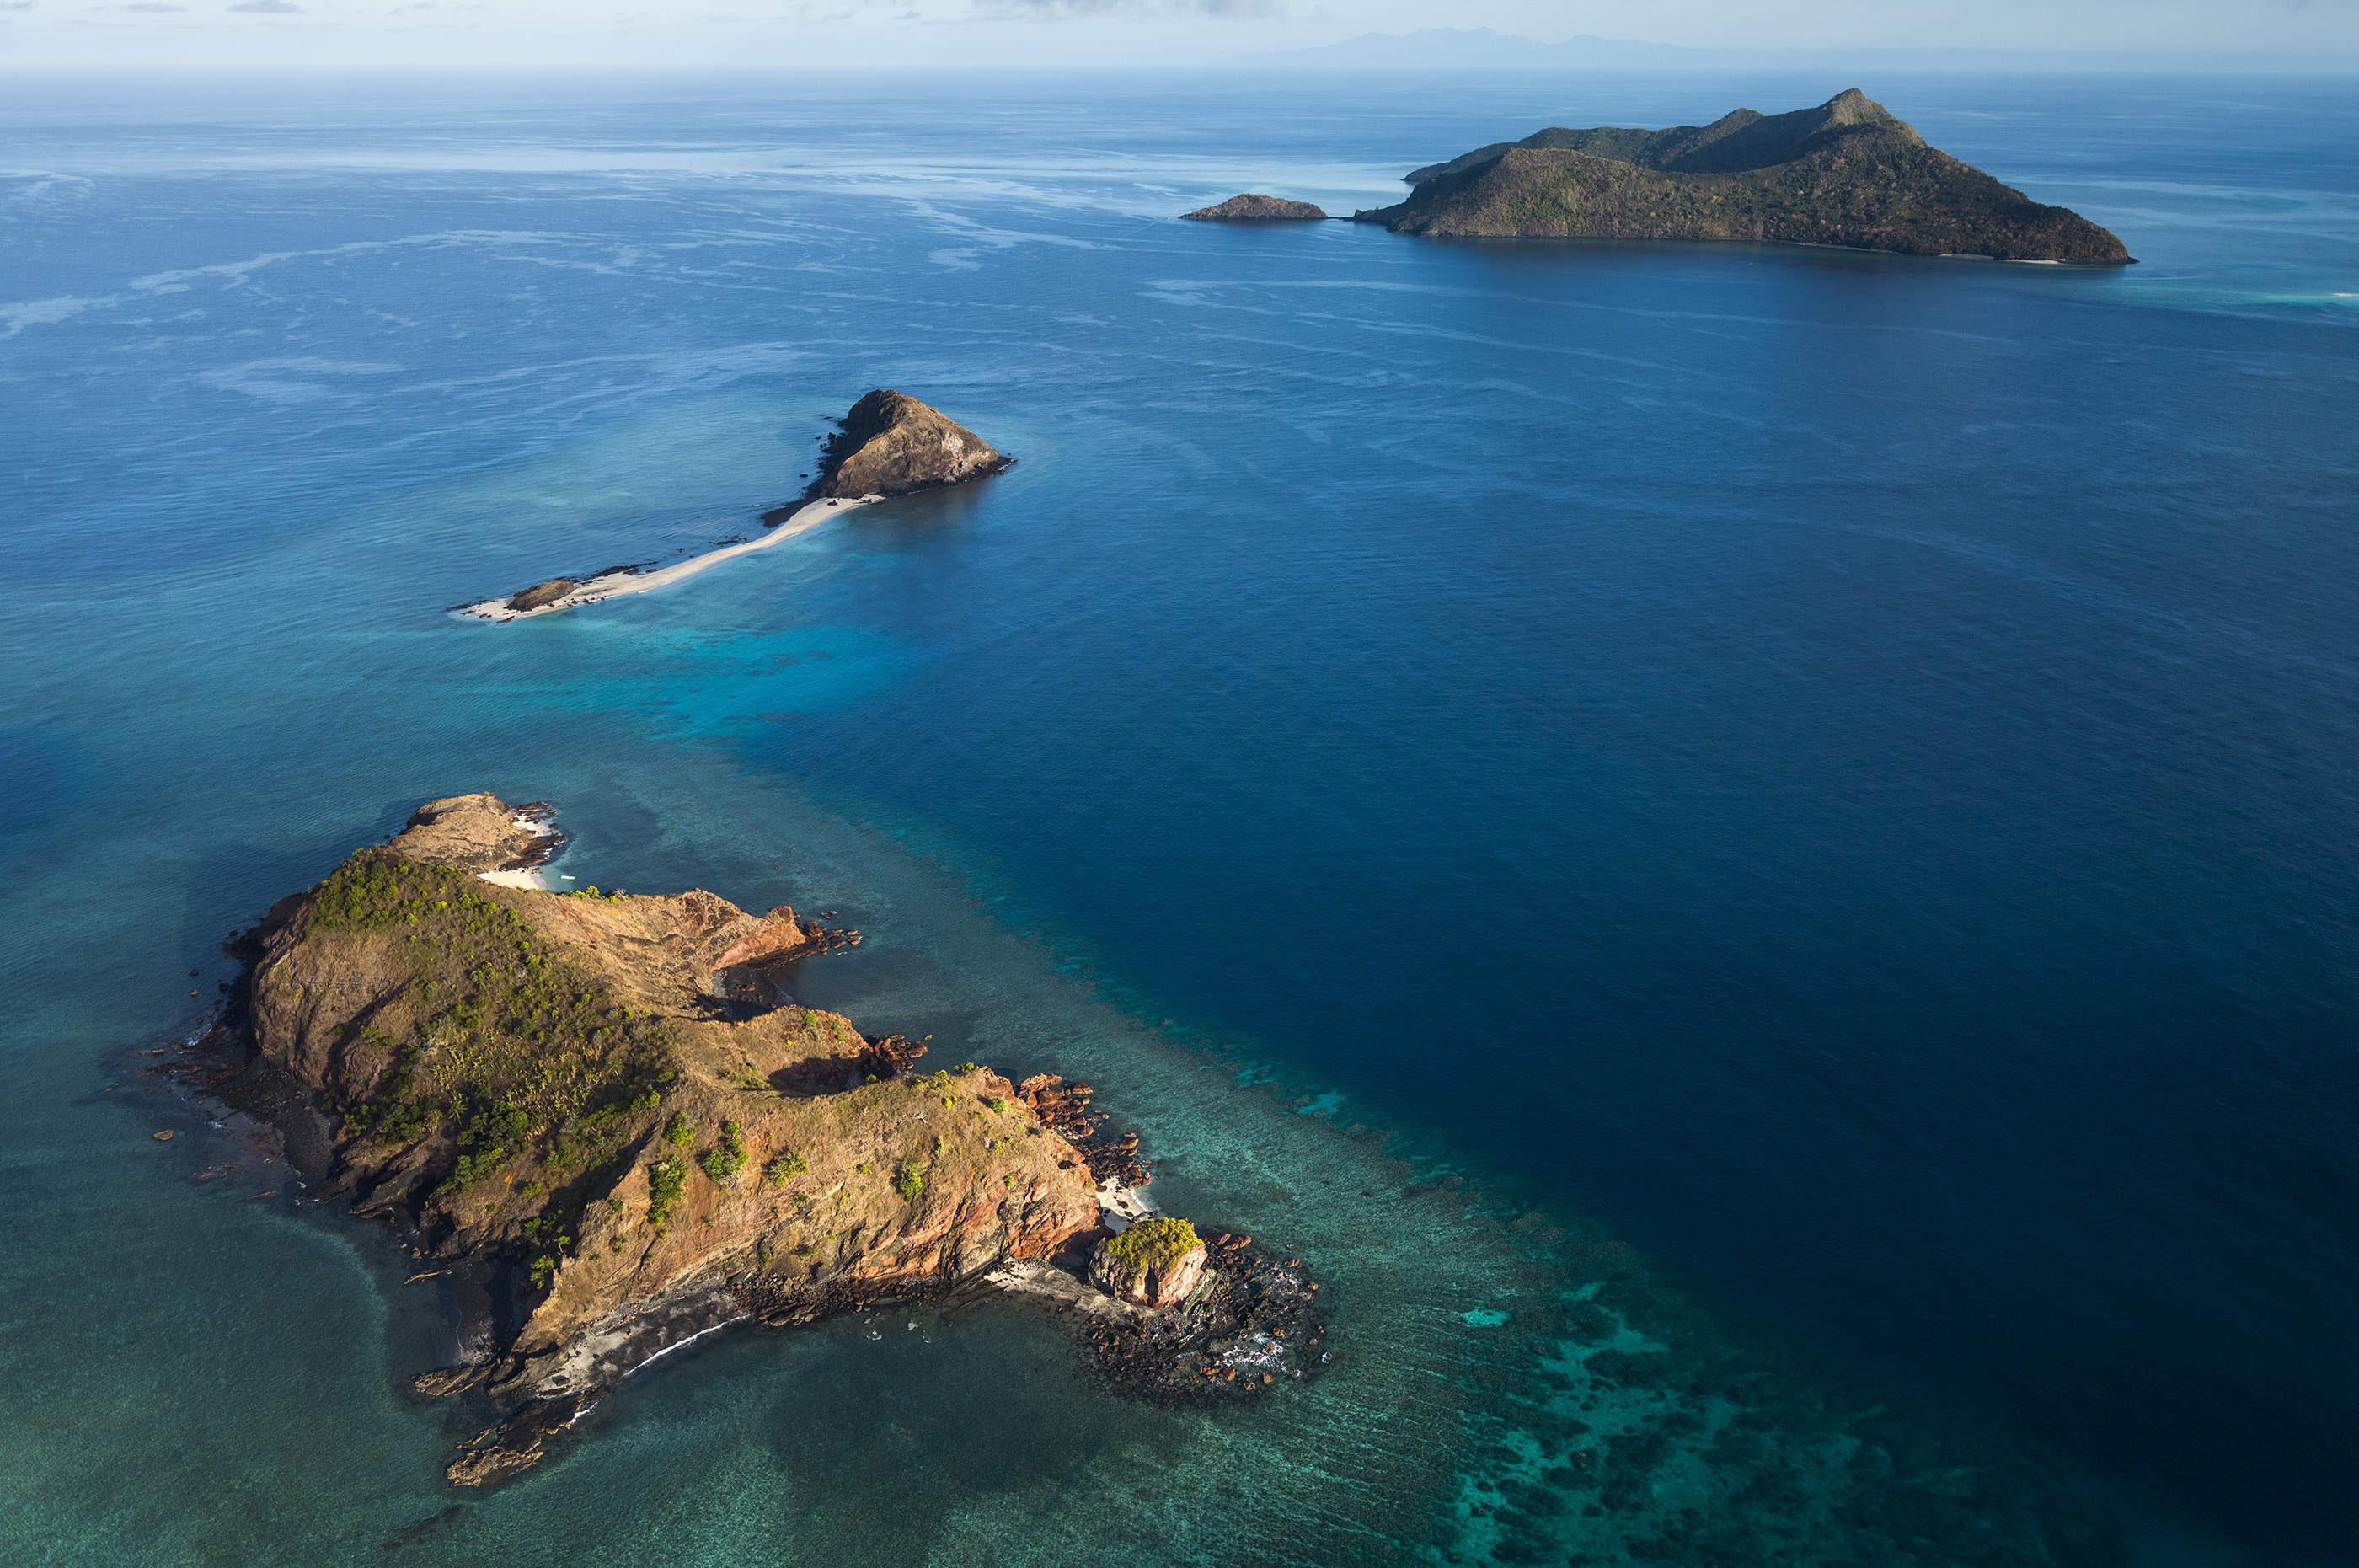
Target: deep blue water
[[1825, 781]]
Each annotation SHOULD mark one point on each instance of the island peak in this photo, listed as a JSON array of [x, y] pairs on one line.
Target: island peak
[[1846, 172], [891, 445]]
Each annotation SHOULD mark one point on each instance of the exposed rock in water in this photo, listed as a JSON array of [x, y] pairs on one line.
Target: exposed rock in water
[[445, 1381], [541, 594], [1845, 173], [891, 445], [1154, 1263], [1254, 207], [480, 833]]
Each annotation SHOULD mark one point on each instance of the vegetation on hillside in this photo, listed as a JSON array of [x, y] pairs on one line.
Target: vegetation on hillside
[[1846, 173], [500, 1080], [494, 1040]]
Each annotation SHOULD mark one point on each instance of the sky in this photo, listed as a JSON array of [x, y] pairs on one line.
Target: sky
[[795, 34]]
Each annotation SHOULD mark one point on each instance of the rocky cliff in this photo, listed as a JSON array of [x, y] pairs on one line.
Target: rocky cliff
[[891, 445], [590, 1108], [1255, 208], [1846, 173]]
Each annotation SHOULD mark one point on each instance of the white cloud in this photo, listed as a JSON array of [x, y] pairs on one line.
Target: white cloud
[[970, 34]]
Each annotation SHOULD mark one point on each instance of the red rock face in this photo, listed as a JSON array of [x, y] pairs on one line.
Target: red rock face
[[783, 938]]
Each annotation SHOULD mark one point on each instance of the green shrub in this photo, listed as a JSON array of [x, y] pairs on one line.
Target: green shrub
[[909, 1181], [782, 1167], [1155, 1243], [678, 1132], [727, 1157], [667, 1180]]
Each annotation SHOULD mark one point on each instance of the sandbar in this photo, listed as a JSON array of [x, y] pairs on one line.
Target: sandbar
[[608, 585]]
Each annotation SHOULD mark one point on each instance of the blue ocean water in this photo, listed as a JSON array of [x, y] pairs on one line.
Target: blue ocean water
[[1753, 845]]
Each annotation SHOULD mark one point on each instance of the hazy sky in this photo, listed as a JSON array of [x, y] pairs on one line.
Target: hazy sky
[[787, 34]]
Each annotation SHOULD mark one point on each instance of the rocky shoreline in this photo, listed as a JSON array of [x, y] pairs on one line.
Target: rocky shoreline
[[836, 1178]]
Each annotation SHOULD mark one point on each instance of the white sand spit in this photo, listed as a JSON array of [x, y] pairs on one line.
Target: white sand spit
[[613, 582]]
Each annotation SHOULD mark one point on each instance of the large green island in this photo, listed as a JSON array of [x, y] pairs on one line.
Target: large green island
[[1845, 173]]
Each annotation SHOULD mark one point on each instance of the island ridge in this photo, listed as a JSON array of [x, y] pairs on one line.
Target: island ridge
[[1845, 173]]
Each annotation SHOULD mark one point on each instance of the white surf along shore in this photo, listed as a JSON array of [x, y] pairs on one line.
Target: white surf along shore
[[536, 877], [608, 585]]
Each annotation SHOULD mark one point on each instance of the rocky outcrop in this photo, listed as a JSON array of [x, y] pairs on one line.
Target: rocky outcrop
[[782, 938], [1845, 173], [891, 445], [1154, 1263], [541, 594], [478, 834], [558, 1095], [1253, 208]]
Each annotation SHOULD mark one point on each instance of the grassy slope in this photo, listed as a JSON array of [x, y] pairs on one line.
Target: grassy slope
[[1845, 173], [543, 1076]]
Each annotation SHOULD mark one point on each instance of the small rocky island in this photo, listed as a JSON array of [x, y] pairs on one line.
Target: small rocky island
[[600, 1122], [891, 445], [1845, 173], [1251, 208], [888, 444]]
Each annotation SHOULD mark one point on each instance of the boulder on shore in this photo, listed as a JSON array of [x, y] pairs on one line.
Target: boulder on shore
[[541, 594], [1154, 1263], [1254, 207]]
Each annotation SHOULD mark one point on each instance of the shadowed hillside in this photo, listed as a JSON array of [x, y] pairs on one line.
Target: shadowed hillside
[[1845, 173]]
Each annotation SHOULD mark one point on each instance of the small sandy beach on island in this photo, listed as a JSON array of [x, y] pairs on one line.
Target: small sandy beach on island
[[607, 585]]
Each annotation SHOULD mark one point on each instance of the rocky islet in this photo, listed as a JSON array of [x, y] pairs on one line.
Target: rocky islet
[[889, 443], [604, 1129], [1255, 208]]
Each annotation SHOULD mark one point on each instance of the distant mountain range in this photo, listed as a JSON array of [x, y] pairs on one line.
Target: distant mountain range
[[1481, 49]]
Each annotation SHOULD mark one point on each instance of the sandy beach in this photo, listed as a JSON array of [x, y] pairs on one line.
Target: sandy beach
[[612, 583]]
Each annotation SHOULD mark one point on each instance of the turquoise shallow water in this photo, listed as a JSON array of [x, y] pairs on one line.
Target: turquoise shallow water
[[1807, 794]]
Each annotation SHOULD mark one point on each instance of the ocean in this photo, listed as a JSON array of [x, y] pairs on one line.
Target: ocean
[[1751, 849]]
